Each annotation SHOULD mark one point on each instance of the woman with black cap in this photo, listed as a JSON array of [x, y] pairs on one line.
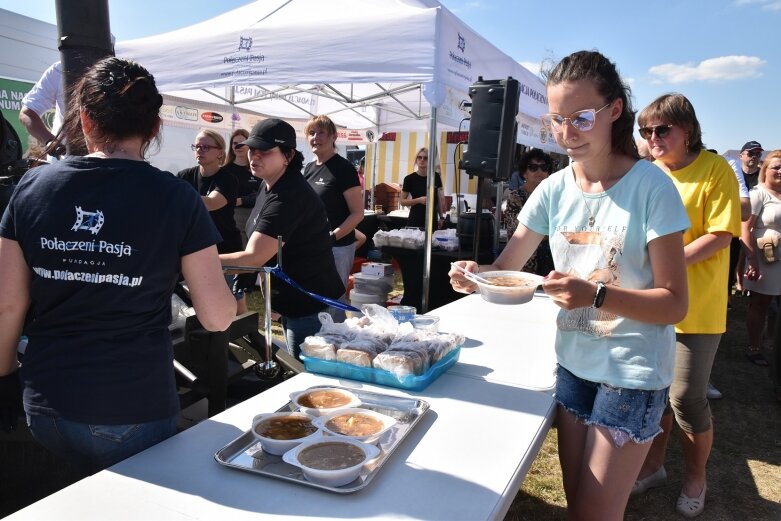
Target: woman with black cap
[[287, 206]]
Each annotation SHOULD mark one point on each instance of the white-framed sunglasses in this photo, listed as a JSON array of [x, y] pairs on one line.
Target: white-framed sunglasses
[[582, 120]]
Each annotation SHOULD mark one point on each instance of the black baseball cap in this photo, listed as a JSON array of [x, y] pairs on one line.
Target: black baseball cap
[[271, 133], [751, 145]]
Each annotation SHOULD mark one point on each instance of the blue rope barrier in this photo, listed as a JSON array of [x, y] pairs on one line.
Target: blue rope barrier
[[277, 272]]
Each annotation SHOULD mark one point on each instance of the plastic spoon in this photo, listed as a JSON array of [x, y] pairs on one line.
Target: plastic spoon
[[472, 276]]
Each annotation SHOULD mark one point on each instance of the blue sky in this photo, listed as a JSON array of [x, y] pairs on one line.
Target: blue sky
[[722, 54]]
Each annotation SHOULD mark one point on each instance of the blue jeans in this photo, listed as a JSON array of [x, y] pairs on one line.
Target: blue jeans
[[91, 448], [628, 414], [297, 329]]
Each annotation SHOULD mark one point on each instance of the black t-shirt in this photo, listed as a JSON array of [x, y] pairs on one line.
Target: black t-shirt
[[330, 180], [224, 183], [415, 185], [248, 184], [293, 210], [103, 239], [751, 179]]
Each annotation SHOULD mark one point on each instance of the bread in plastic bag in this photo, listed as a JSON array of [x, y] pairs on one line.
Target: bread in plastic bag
[[400, 363], [318, 347]]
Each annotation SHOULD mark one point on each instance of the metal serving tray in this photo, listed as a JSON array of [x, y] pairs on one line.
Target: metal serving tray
[[244, 453]]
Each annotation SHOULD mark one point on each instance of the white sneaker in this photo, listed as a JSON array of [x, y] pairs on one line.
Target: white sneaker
[[713, 393]]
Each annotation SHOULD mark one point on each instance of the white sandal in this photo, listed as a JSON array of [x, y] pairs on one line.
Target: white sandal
[[691, 506], [657, 479]]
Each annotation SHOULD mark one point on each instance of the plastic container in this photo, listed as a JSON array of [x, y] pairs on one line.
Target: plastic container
[[372, 284], [336, 477], [403, 313], [358, 299], [426, 323], [519, 294], [280, 446], [380, 376]]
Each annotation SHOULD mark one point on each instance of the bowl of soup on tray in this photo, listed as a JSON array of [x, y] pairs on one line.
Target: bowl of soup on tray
[[331, 461]]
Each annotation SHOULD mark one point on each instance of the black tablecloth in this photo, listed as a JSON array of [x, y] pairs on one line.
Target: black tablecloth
[[440, 291]]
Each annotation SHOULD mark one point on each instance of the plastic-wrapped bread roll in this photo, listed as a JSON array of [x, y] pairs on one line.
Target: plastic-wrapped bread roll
[[318, 347], [417, 347], [401, 363], [356, 352]]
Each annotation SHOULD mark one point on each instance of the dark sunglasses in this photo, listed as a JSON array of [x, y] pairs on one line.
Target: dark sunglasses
[[239, 145], [536, 167], [422, 157], [661, 131], [753, 153]]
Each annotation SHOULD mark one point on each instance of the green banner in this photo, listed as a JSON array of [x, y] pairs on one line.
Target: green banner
[[11, 94]]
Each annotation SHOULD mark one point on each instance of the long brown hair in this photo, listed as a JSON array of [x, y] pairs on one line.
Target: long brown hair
[[231, 157], [121, 98], [594, 67]]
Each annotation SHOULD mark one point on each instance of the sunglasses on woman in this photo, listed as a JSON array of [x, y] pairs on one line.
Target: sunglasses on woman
[[661, 131], [582, 120], [537, 167]]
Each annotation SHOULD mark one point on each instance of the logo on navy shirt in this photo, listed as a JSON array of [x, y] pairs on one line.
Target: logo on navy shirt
[[89, 221]]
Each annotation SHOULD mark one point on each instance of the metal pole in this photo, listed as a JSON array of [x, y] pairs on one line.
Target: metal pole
[[430, 203], [269, 364], [84, 37]]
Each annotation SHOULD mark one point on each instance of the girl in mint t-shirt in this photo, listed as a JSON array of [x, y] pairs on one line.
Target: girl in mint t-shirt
[[615, 226]]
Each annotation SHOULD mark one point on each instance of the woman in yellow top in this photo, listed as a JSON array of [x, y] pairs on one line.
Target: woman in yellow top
[[709, 192]]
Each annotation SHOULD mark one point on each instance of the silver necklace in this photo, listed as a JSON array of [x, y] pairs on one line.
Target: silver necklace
[[591, 219]]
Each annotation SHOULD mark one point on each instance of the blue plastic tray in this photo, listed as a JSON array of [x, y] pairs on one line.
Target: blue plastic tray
[[380, 376]]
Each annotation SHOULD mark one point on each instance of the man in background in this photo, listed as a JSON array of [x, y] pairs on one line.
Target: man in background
[[45, 95]]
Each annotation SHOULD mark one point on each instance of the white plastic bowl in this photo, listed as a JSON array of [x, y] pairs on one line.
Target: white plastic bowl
[[278, 447], [509, 294], [332, 478], [352, 401], [387, 423]]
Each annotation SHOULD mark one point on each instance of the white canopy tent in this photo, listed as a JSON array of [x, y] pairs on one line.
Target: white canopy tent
[[368, 64], [380, 65]]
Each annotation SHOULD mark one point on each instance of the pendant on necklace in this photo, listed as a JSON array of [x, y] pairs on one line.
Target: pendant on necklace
[[591, 221]]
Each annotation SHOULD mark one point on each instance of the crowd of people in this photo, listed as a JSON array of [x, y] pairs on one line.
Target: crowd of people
[[636, 239]]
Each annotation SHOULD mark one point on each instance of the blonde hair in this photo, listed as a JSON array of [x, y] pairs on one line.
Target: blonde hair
[[775, 154], [324, 123], [214, 136]]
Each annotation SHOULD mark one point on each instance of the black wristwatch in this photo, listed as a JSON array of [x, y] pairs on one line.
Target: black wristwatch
[[599, 296]]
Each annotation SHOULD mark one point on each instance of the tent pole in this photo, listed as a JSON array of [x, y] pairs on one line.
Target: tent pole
[[430, 202]]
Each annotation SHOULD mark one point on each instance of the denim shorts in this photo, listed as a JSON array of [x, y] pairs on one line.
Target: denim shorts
[[628, 414]]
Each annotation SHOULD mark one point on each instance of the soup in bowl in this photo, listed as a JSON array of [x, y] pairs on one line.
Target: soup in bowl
[[281, 431], [333, 461], [508, 287], [323, 400], [360, 424]]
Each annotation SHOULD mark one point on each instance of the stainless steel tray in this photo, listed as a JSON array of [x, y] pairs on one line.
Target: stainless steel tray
[[244, 453]]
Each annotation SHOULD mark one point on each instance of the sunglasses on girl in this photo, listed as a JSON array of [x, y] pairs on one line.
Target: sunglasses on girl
[[661, 131], [582, 120], [239, 145], [537, 167]]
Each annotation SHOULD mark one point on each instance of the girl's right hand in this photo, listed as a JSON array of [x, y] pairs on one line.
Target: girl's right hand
[[457, 279]]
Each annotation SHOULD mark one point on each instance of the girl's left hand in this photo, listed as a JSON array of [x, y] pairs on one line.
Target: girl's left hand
[[569, 292]]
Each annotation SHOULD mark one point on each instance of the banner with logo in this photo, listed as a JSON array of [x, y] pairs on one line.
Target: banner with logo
[[11, 94]]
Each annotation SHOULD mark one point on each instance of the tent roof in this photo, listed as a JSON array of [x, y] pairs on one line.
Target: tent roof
[[378, 64]]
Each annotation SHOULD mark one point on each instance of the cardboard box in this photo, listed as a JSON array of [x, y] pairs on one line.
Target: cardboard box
[[377, 269]]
